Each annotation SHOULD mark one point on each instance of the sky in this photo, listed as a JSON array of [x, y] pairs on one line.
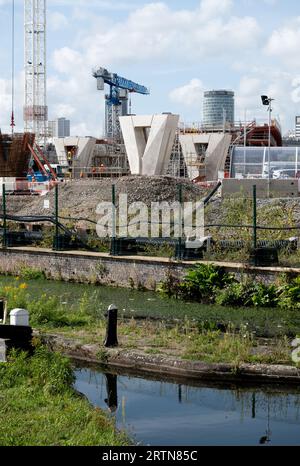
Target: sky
[[178, 49]]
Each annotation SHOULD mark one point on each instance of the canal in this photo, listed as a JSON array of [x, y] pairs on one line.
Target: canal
[[157, 412], [134, 303]]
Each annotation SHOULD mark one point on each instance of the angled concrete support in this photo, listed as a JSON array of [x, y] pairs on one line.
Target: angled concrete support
[[84, 150], [149, 140], [216, 150]]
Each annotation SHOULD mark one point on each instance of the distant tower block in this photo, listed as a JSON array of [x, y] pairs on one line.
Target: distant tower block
[[35, 107], [149, 141]]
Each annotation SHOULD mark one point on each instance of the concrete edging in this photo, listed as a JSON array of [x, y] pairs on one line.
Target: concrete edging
[[166, 366]]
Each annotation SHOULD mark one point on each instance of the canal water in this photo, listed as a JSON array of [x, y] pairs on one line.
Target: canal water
[[161, 413], [133, 303]]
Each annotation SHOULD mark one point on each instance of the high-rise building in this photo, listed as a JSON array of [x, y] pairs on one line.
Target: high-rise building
[[218, 108], [297, 127], [59, 128]]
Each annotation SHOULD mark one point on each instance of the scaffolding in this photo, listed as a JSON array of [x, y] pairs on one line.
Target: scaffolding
[[15, 155], [177, 167]]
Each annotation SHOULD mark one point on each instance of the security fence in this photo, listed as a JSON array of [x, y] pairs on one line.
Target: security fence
[[218, 241]]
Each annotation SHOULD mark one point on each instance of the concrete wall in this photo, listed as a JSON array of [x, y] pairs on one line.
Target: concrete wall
[[149, 140], [115, 271], [215, 157], [86, 146], [278, 188]]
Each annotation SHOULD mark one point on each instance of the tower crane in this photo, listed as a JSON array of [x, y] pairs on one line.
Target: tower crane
[[116, 102]]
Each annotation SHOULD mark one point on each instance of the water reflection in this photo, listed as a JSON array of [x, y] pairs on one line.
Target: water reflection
[[112, 392], [162, 413]]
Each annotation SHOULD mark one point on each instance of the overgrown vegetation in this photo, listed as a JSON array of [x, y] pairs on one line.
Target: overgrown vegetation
[[39, 407], [210, 283], [45, 310], [239, 211]]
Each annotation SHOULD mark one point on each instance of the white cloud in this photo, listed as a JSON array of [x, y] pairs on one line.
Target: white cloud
[[296, 90], [208, 8], [57, 21], [155, 32], [62, 110], [284, 42], [190, 94]]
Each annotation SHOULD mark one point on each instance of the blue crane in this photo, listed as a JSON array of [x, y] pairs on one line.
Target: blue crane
[[116, 102]]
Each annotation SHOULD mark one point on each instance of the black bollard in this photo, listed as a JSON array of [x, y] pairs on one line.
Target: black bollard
[[111, 339]]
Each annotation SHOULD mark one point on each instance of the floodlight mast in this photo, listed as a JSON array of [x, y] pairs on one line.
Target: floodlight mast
[[267, 101]]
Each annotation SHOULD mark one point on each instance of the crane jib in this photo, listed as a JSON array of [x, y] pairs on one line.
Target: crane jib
[[123, 83]]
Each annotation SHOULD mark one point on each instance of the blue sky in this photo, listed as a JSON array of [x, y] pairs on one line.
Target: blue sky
[[177, 48]]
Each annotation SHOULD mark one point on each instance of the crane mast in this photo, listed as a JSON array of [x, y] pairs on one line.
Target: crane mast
[[116, 102], [35, 106]]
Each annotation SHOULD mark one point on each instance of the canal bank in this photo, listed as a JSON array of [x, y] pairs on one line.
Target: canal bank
[[127, 272], [140, 363]]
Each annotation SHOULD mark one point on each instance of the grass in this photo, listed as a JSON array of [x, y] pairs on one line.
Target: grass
[[40, 408]]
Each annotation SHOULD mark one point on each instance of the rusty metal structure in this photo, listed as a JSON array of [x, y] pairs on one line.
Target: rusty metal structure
[[15, 154]]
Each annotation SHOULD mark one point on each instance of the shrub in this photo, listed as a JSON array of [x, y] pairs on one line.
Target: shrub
[[289, 297], [235, 294], [170, 287], [264, 295], [202, 282], [248, 294], [30, 273]]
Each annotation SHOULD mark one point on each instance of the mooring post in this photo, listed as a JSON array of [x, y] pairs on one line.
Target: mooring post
[[111, 339], [4, 242], [254, 217]]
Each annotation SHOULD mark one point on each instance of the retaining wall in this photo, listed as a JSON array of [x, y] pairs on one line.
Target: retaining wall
[[137, 272]]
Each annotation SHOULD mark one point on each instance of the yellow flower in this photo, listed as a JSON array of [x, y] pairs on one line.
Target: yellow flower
[[23, 286]]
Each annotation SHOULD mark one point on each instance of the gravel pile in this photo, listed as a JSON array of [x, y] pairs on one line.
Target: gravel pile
[[80, 198]]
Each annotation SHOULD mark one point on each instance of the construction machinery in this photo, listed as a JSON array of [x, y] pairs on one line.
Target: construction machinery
[[117, 101]]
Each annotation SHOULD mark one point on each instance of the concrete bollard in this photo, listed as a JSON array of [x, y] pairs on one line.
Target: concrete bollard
[[111, 339], [19, 318]]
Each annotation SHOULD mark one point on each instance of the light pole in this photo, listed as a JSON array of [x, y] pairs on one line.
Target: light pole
[[267, 101]]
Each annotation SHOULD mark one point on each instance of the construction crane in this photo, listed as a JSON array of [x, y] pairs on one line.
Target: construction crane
[[116, 102], [35, 108]]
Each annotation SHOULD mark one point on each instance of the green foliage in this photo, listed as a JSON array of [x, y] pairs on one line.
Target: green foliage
[[248, 294], [45, 310], [212, 346], [163, 250], [202, 282], [49, 370], [40, 408], [290, 295], [30, 273], [264, 295], [235, 294], [170, 287]]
